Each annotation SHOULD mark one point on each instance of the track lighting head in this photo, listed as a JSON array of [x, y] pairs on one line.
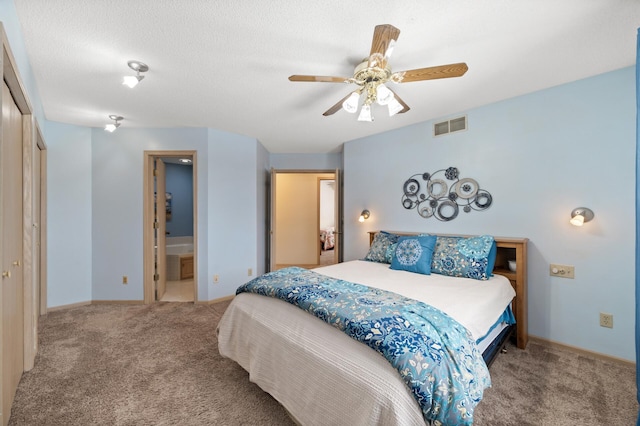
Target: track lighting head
[[133, 80], [111, 127]]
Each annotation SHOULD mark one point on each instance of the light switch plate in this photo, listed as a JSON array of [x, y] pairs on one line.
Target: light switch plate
[[562, 271]]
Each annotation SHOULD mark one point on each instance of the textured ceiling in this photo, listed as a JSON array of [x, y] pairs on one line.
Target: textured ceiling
[[224, 64]]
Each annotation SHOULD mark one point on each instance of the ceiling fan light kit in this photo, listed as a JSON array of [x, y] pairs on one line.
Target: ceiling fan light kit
[[374, 72], [365, 113], [383, 95], [351, 104], [394, 107]]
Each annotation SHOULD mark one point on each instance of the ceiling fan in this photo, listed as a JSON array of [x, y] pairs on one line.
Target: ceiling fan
[[374, 72]]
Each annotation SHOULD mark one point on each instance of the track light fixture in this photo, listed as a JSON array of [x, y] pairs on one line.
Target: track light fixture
[[364, 215], [116, 123], [133, 80], [580, 215]]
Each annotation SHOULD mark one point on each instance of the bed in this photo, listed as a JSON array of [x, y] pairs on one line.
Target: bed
[[323, 376]]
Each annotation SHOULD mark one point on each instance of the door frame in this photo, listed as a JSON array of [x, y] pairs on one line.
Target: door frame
[[147, 234], [41, 228], [270, 261]]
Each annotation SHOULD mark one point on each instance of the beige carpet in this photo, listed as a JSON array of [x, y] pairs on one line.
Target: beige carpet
[[159, 365]]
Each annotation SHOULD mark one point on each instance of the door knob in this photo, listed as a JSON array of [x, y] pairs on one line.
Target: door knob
[[16, 263], [6, 274]]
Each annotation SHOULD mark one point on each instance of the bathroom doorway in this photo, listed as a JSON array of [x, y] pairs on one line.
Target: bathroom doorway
[[170, 223]]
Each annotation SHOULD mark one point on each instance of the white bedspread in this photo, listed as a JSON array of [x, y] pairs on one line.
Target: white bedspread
[[321, 375], [473, 303]]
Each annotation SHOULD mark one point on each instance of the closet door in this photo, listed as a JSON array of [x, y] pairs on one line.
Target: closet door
[[12, 262]]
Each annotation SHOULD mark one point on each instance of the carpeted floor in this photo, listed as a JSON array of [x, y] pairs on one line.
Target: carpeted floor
[[159, 365]]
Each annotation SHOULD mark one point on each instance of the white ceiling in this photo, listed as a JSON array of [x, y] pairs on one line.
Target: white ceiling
[[224, 64]]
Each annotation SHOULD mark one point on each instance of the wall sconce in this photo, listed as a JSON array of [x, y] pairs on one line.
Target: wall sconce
[[116, 123], [364, 215], [133, 80], [580, 215]]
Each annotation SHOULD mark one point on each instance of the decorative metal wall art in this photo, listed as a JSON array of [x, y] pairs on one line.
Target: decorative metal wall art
[[431, 195]]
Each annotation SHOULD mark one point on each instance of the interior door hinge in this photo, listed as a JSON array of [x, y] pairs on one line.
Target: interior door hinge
[[156, 225], [155, 172], [156, 277]]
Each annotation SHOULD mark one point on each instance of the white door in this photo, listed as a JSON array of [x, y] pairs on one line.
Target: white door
[[161, 229]]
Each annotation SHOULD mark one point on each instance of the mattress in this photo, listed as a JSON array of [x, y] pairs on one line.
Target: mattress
[[321, 375], [476, 304]]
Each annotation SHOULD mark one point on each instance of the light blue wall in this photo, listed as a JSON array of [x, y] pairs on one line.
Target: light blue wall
[[117, 205], [12, 28], [179, 181], [306, 161], [232, 192], [69, 215], [540, 156], [95, 192]]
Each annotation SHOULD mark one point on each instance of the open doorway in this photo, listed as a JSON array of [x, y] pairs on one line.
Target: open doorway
[[179, 230], [301, 232], [170, 223], [327, 221]]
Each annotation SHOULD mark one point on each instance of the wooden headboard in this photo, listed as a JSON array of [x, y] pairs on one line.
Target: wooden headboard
[[508, 249]]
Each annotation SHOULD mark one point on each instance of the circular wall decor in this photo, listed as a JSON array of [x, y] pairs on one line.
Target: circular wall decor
[[466, 188], [443, 194]]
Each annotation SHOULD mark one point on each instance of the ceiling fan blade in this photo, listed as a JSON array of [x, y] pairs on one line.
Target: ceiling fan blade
[[336, 107], [401, 102], [384, 39], [432, 73], [326, 79]]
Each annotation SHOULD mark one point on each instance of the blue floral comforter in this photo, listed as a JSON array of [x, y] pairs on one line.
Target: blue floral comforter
[[435, 355]]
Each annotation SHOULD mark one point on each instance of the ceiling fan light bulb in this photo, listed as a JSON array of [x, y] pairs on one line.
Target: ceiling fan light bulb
[[110, 127], [384, 95], [351, 104], [365, 113], [394, 107]]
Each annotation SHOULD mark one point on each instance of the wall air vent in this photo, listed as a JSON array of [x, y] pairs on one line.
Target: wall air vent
[[450, 126]]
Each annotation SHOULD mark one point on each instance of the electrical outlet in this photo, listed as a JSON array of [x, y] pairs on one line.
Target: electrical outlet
[[216, 278], [125, 279], [606, 320], [562, 271], [250, 272]]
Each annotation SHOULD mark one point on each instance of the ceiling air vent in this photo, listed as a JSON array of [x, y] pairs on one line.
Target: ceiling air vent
[[450, 126]]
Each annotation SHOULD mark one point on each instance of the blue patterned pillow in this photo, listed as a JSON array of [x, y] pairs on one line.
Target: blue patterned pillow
[[465, 257], [378, 250], [414, 254], [391, 251]]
